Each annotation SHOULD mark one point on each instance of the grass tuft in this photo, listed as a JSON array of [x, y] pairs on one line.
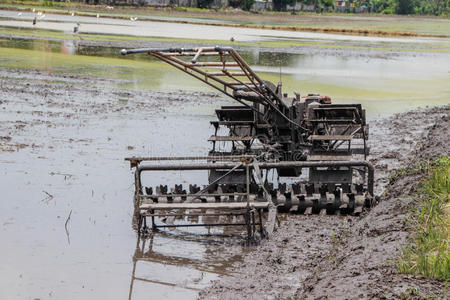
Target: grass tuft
[[429, 253]]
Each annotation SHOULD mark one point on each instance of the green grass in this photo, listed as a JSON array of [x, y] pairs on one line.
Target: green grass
[[429, 253]]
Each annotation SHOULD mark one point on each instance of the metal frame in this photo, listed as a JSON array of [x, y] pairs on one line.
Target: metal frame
[[247, 210], [248, 213], [262, 165], [217, 80]]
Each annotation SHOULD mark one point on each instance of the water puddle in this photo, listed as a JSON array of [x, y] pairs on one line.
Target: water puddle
[[173, 266]]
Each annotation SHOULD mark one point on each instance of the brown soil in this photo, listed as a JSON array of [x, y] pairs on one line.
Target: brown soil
[[336, 257], [40, 100]]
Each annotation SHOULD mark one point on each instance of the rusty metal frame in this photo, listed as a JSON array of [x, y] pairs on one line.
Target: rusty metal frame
[[356, 120], [262, 165], [248, 211], [194, 68]]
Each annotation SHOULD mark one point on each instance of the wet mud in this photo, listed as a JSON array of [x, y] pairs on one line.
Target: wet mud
[[337, 257], [63, 140]]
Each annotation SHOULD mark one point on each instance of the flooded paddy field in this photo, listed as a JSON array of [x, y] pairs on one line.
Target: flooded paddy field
[[170, 28], [71, 110], [400, 75]]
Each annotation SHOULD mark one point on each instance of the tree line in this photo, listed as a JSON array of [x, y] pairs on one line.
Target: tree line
[[407, 7], [402, 7]]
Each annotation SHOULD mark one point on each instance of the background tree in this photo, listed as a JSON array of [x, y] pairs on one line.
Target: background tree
[[405, 7], [281, 5], [247, 5], [204, 3], [328, 3], [235, 3], [437, 7], [384, 6]]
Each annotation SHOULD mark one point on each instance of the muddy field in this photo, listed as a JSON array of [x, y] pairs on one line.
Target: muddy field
[[63, 140], [67, 202]]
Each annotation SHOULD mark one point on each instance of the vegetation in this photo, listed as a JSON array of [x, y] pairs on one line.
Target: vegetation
[[429, 254], [404, 7], [318, 5], [416, 7], [204, 3], [244, 4]]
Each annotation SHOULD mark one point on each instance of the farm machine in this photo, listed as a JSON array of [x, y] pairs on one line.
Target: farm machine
[[303, 154]]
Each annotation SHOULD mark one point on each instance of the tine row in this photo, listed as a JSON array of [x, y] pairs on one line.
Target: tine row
[[294, 189], [304, 198]]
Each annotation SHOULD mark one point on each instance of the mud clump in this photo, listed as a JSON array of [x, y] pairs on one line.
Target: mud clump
[[336, 257]]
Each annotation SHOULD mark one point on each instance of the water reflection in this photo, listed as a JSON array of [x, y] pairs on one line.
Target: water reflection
[[69, 47], [177, 263], [174, 265], [146, 254]]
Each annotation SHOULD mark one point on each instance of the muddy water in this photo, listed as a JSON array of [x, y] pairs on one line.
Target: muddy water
[[68, 120], [62, 153]]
